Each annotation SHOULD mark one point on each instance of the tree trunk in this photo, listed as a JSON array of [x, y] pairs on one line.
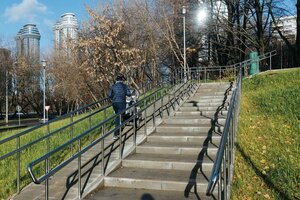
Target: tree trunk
[[259, 26]]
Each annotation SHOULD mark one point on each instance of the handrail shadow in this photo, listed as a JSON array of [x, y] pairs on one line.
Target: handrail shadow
[[72, 179], [198, 166], [97, 159]]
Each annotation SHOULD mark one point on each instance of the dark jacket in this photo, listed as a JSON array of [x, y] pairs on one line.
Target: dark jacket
[[118, 92]]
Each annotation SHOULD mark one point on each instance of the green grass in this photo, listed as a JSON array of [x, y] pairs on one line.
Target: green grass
[[267, 164], [8, 170]]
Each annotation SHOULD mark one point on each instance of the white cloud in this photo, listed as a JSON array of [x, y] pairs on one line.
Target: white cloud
[[27, 9]]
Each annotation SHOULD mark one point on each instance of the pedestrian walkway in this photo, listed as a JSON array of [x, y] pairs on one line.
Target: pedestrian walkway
[[176, 160], [173, 159]]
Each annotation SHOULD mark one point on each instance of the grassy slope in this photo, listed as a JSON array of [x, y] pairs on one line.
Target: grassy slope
[[267, 162], [8, 165]]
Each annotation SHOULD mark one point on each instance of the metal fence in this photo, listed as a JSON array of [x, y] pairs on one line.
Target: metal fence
[[160, 102], [98, 118], [221, 176], [15, 150]]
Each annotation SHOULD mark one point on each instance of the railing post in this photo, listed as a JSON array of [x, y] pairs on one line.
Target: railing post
[[48, 138], [72, 133], [205, 74], [47, 180], [234, 71], [162, 103], [154, 110], [270, 61], [120, 136], [90, 126], [145, 116], [225, 174], [102, 151], [79, 169], [134, 127], [47, 165], [18, 165], [220, 186]]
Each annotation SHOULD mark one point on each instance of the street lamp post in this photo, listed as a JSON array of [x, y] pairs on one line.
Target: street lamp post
[[184, 45], [6, 96], [281, 54], [44, 62]]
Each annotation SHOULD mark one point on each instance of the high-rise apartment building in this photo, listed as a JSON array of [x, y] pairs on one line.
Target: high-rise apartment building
[[28, 42], [65, 29]]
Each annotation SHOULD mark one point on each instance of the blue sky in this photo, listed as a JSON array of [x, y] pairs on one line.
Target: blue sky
[[15, 13], [44, 13]]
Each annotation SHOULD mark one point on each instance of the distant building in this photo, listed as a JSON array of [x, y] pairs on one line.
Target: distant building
[[28, 42], [65, 30], [287, 25]]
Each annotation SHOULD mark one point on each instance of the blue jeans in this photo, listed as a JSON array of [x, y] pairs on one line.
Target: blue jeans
[[118, 107]]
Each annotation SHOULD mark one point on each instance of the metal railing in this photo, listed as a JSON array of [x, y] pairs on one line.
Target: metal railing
[[223, 165], [46, 136], [224, 73], [16, 144], [222, 172], [100, 131], [161, 101]]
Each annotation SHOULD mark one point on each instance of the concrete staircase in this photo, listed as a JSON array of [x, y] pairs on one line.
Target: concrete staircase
[[176, 160]]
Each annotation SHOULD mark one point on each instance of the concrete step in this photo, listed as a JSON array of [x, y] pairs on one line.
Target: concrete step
[[212, 93], [201, 113], [184, 148], [181, 134], [201, 104], [202, 108], [213, 85], [196, 117], [118, 193], [180, 138], [186, 128], [192, 120], [208, 90], [206, 100], [167, 161], [156, 179], [213, 89], [206, 97]]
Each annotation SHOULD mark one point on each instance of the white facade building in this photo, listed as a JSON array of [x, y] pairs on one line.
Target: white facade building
[[287, 25], [28, 42], [65, 29]]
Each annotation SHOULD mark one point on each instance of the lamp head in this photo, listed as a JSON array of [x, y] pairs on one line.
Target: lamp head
[[44, 63], [184, 10]]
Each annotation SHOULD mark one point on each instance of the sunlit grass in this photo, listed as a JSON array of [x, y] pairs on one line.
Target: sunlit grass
[[267, 155], [8, 166]]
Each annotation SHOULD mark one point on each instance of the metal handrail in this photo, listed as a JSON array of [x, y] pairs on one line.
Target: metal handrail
[[50, 134], [220, 153], [46, 126], [79, 153], [57, 119], [225, 154], [54, 120], [173, 100]]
